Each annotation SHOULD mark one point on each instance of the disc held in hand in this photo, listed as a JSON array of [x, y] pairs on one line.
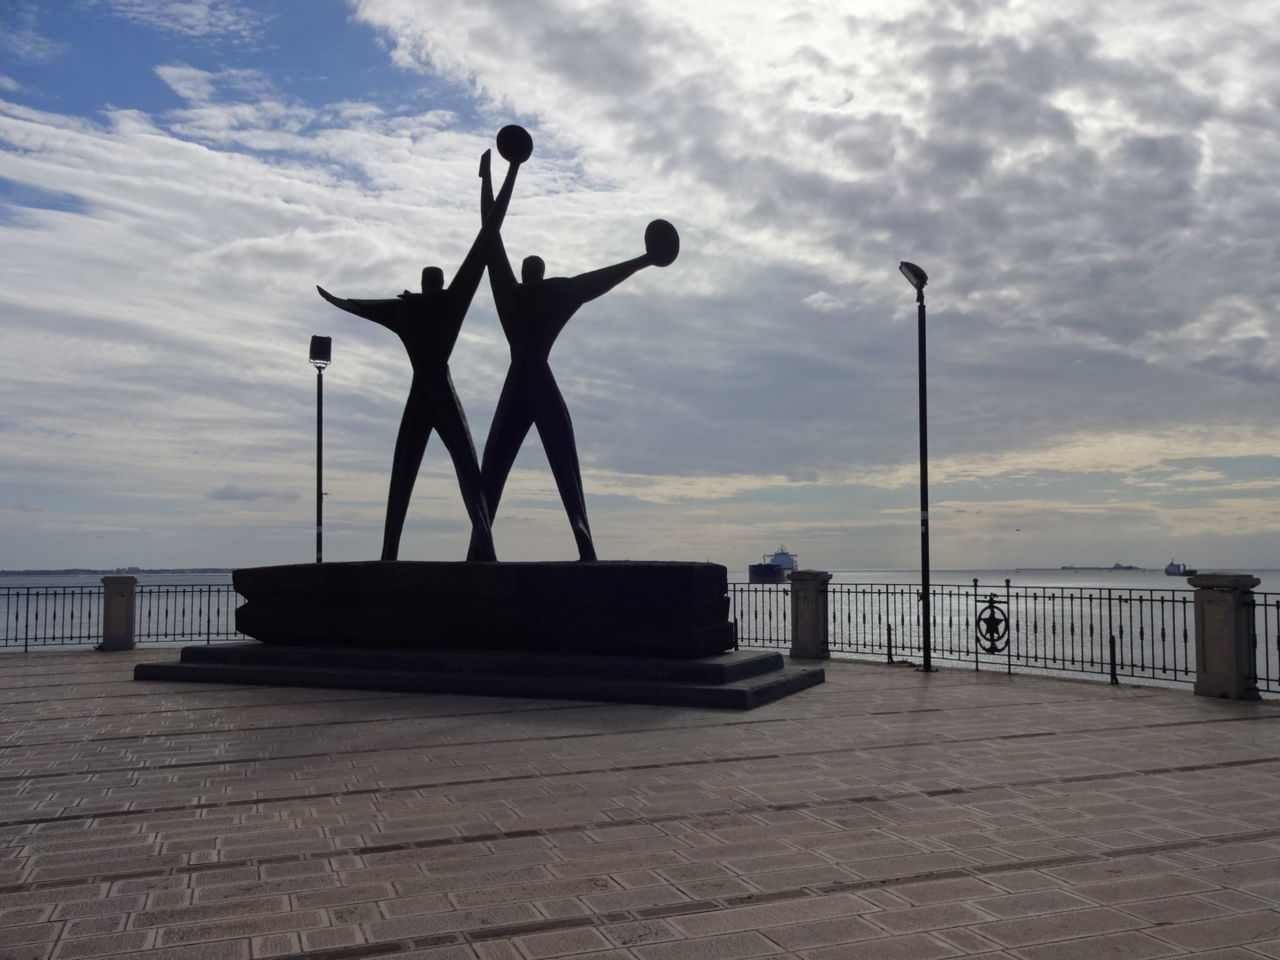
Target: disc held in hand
[[515, 144], [661, 242]]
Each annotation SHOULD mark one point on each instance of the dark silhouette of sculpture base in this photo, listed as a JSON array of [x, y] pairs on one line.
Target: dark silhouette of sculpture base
[[611, 631], [585, 630], [428, 324]]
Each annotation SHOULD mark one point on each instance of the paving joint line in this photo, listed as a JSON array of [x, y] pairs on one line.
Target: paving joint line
[[373, 849], [366, 791], [223, 763]]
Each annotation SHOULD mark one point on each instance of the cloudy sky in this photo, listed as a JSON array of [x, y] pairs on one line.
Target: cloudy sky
[[1091, 187]]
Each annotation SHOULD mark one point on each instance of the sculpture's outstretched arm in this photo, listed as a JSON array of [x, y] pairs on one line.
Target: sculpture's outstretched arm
[[501, 277], [468, 276], [588, 286], [384, 312]]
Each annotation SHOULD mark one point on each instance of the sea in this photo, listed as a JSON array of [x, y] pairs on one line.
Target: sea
[[1078, 577], [1146, 579]]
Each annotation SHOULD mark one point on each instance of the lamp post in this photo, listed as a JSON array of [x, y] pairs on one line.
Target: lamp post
[[918, 278], [321, 350]]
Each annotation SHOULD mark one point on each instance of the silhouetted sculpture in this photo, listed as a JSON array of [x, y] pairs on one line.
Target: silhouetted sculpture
[[428, 324], [532, 314]]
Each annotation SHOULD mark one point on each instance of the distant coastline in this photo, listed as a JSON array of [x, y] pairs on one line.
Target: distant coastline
[[127, 571], [1113, 567]]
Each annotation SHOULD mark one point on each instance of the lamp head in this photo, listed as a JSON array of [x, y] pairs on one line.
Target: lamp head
[[321, 351], [915, 276]]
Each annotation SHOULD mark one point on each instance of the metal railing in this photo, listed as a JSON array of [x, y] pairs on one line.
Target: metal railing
[[1135, 634], [50, 616], [762, 612], [1266, 641], [1142, 635], [168, 613], [71, 616]]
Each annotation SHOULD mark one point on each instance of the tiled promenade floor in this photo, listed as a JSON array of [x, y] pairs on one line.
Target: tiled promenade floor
[[886, 814]]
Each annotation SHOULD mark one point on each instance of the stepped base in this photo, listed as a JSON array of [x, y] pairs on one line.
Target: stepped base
[[741, 680], [632, 608]]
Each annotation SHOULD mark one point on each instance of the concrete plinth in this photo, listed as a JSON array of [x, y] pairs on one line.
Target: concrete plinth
[[1224, 635], [118, 612], [809, 614]]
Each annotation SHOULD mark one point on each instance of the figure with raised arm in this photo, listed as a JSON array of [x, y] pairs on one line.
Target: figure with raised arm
[[428, 324], [532, 313]]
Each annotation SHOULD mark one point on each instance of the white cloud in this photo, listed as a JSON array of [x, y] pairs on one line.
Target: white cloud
[[191, 18], [231, 491]]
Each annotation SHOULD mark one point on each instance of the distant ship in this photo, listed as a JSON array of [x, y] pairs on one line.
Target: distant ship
[[1115, 567], [773, 567], [1175, 569]]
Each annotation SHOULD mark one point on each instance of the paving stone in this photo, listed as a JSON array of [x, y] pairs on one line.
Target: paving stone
[[257, 926], [727, 947], [633, 899], [1115, 946], [916, 946], [328, 938], [1235, 900], [1174, 909], [766, 915], [1057, 926], [822, 933], [220, 910], [1034, 903], [562, 943], [1221, 932], [639, 932], [929, 917], [410, 927], [939, 891]]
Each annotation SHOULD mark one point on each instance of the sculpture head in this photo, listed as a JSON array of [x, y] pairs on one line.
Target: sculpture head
[[533, 268], [432, 279]]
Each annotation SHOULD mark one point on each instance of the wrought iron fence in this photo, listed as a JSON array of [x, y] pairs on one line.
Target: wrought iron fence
[[1266, 641], [50, 616], [67, 616], [1133, 634], [166, 613], [1144, 635], [762, 612]]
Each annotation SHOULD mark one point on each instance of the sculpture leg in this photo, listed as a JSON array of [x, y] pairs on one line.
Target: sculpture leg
[[511, 422], [411, 443], [556, 430], [451, 424]]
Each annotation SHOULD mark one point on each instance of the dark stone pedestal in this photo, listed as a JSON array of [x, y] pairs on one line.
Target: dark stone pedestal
[[618, 631], [740, 680], [627, 608]]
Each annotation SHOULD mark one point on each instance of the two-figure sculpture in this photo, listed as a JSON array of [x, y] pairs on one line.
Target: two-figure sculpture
[[532, 312]]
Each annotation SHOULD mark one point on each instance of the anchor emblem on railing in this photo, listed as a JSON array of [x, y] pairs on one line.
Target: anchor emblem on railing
[[993, 626]]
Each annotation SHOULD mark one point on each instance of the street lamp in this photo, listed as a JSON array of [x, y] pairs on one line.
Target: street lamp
[[918, 278], [321, 349]]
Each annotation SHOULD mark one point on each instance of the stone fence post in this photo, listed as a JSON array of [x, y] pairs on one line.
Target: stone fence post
[[118, 606], [1224, 635], [809, 614]]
